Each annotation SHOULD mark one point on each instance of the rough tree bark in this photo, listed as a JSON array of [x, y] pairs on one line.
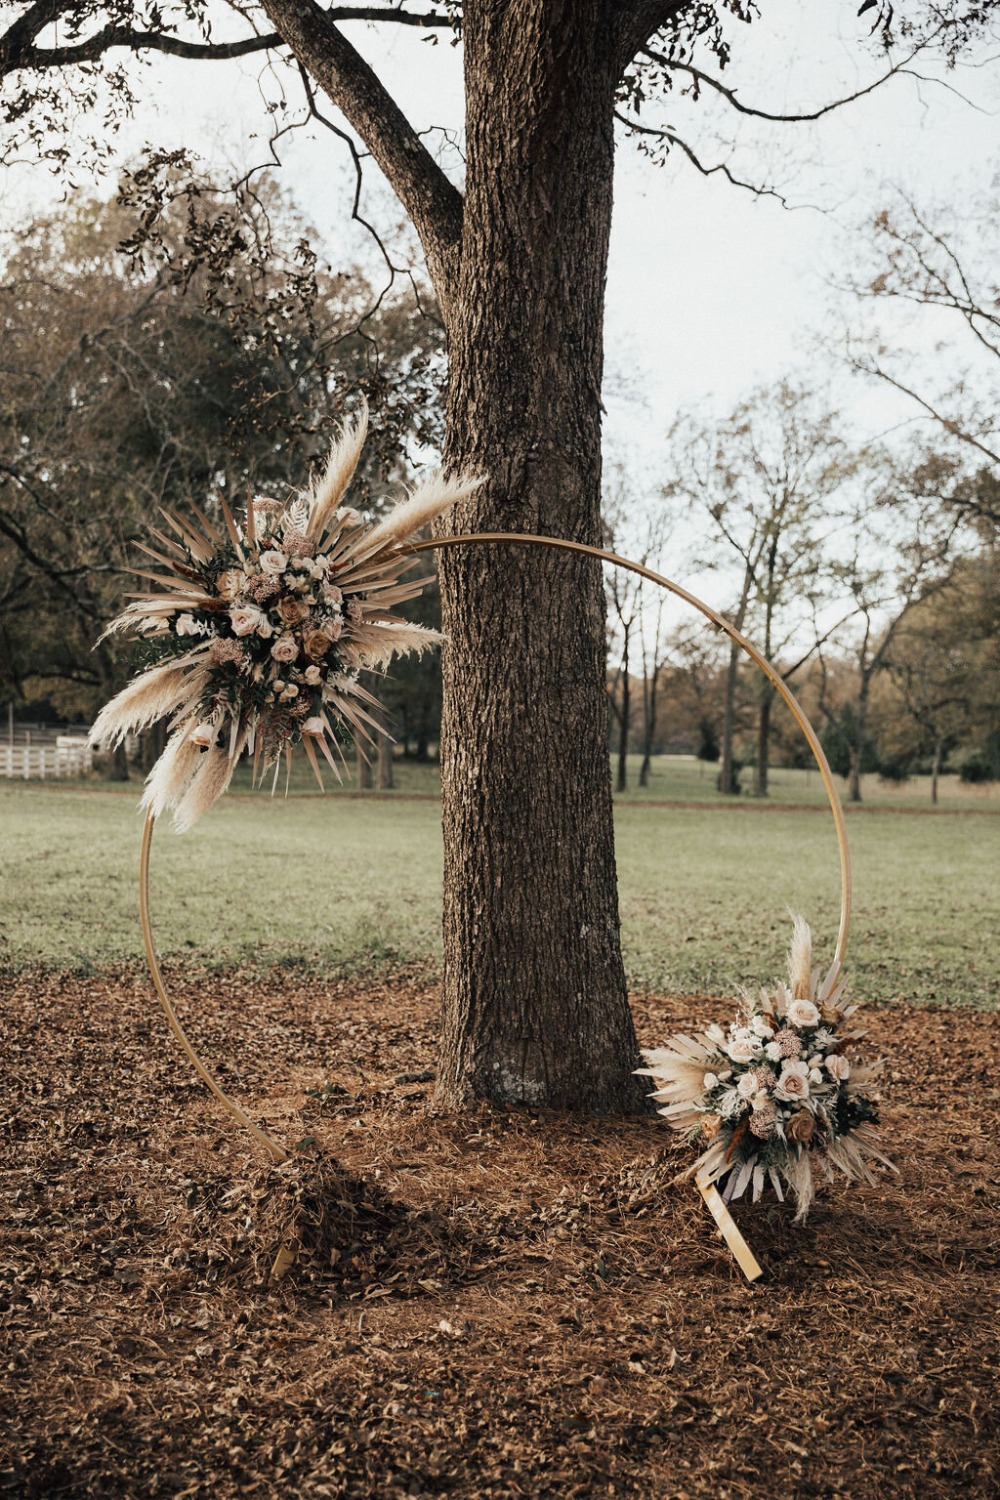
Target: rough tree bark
[[534, 995]]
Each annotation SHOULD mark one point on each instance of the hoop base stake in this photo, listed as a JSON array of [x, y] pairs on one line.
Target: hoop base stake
[[737, 1245]]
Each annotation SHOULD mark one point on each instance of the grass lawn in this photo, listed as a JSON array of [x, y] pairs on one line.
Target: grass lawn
[[348, 882], [681, 778]]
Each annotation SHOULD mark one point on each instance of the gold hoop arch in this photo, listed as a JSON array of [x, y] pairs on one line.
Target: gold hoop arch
[[276, 1151]]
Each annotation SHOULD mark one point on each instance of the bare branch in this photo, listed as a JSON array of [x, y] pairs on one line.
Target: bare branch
[[433, 202], [950, 426], [17, 49], [675, 140], [715, 84]]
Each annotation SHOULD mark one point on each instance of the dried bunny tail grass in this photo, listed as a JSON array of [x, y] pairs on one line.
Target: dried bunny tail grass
[[797, 1172], [169, 779], [340, 466], [208, 784], [430, 499], [800, 959], [148, 698]]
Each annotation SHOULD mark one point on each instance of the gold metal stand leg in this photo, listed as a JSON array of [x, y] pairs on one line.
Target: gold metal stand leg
[[276, 1152]]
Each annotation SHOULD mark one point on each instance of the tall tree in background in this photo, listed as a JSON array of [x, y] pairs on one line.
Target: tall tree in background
[[768, 479], [534, 988], [900, 552], [944, 664], [121, 393], [916, 262]]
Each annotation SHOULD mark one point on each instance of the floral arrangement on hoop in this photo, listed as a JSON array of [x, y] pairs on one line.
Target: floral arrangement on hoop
[[262, 627], [778, 1091]]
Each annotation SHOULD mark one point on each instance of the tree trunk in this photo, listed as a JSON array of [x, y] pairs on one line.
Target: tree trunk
[[534, 1002], [762, 769], [153, 742], [936, 769], [385, 777], [624, 722], [858, 748], [363, 766], [648, 726], [727, 779], [117, 764]]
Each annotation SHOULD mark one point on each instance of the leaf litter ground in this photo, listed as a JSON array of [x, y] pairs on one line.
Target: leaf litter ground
[[497, 1304]]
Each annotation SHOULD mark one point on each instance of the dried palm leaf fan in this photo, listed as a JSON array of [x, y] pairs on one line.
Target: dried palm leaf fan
[[261, 631]]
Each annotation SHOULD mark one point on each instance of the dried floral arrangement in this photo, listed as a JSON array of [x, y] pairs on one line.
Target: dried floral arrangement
[[260, 629], [778, 1092]]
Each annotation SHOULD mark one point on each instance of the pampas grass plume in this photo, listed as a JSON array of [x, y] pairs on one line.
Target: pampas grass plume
[[207, 785], [340, 466], [800, 959], [168, 780], [149, 697], [427, 501]]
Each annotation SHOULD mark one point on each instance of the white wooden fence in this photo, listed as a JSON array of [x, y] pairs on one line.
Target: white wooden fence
[[67, 755]]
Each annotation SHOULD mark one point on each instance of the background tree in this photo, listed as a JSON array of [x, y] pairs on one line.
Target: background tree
[[139, 394], [917, 262], [899, 553], [944, 664], [767, 479], [636, 526]]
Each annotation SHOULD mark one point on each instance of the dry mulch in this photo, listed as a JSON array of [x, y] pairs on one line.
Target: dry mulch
[[496, 1304]]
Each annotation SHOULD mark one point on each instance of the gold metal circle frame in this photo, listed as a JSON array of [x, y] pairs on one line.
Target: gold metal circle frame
[[276, 1151]]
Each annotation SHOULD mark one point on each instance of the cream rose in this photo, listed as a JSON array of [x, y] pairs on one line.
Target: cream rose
[[747, 1086], [838, 1067], [188, 625], [285, 648], [802, 1013], [313, 676], [246, 619], [273, 562], [744, 1048]]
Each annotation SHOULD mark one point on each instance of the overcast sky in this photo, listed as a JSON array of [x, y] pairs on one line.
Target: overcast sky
[[710, 289]]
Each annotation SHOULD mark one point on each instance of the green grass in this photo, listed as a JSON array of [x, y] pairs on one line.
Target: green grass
[[681, 778], [351, 882]]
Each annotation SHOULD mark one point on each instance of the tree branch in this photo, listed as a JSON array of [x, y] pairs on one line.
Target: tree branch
[[433, 202], [700, 78], [953, 428], [636, 21], [675, 140], [17, 49]]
